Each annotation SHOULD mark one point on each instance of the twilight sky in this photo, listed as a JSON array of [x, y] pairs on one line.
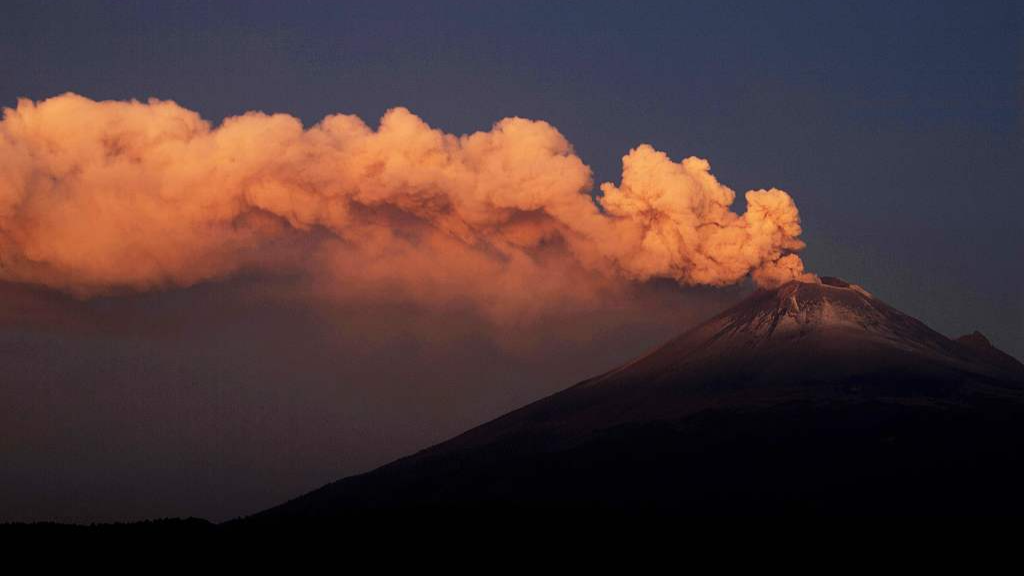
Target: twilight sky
[[894, 126]]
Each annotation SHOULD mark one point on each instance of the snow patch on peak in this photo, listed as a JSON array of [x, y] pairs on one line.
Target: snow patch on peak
[[803, 307]]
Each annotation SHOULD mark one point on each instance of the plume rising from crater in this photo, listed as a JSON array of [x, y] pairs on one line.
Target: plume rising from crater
[[99, 197]]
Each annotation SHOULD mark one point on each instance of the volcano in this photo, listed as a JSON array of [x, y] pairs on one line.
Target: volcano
[[812, 398]]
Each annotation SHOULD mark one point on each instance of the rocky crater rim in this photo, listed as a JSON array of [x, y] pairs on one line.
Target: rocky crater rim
[[830, 282]]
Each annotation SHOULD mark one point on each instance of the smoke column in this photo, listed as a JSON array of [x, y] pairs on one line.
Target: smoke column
[[102, 197]]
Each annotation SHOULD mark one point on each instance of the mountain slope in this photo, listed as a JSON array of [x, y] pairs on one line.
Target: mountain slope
[[813, 398]]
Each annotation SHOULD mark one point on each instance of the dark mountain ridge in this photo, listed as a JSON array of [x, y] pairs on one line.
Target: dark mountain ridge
[[812, 398]]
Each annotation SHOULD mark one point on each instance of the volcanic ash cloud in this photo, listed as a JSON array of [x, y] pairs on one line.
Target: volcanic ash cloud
[[101, 197]]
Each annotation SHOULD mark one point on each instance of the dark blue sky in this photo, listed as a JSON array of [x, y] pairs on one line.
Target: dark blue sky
[[895, 125]]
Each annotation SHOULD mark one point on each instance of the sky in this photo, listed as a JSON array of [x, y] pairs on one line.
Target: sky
[[895, 128]]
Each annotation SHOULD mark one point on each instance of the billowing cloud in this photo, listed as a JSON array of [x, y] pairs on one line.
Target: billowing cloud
[[101, 197]]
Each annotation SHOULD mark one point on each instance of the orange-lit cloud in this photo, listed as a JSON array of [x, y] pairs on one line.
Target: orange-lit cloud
[[98, 197]]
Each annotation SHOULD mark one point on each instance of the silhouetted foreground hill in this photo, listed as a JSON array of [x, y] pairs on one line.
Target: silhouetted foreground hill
[[164, 527], [811, 399]]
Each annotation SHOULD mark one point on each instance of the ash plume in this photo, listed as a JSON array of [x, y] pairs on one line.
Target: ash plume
[[102, 197]]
